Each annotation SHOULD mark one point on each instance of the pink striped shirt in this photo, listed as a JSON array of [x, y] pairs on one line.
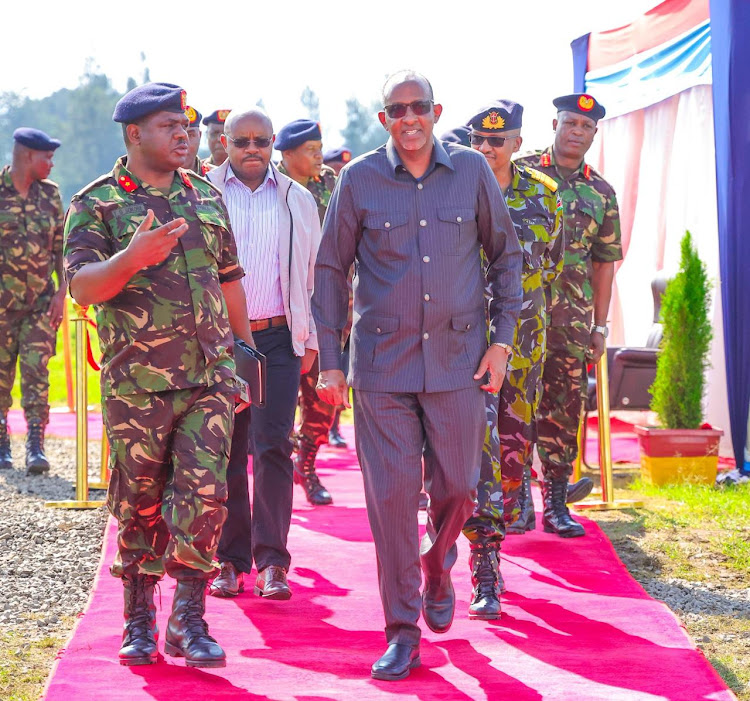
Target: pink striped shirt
[[255, 221]]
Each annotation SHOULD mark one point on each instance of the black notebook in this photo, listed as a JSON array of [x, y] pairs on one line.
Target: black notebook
[[251, 367]]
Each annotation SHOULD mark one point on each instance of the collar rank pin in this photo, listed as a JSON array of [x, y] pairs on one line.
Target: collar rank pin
[[127, 184]]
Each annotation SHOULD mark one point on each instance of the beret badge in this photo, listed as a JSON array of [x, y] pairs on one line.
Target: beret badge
[[586, 103], [493, 121]]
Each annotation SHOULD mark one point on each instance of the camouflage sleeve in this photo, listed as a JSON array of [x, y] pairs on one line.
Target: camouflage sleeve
[[554, 254], [87, 239], [57, 241], [229, 266], [606, 246]]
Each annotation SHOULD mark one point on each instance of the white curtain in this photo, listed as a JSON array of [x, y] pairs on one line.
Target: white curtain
[[660, 160]]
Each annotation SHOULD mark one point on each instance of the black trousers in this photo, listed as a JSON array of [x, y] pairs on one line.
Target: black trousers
[[262, 535]]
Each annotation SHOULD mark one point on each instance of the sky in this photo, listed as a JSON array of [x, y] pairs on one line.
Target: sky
[[231, 54]]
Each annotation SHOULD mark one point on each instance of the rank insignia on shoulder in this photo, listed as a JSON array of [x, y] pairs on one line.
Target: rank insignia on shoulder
[[545, 161], [558, 209], [587, 172], [542, 178], [127, 184], [185, 179], [493, 121]]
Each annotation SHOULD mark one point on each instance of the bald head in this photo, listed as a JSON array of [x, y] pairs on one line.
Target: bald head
[[406, 76], [254, 116]]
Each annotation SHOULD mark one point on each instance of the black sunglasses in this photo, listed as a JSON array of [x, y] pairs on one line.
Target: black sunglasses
[[242, 142], [494, 141], [398, 109]]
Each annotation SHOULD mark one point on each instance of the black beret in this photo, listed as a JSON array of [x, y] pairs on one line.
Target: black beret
[[580, 103], [193, 115], [147, 99], [296, 133], [499, 115], [35, 139], [217, 117], [342, 154], [459, 135]]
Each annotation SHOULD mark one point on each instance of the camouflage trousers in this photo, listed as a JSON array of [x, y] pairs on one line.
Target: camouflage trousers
[[27, 338], [169, 454], [560, 407], [508, 450], [316, 416]]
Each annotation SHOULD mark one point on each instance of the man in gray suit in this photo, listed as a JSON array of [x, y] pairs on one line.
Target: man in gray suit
[[412, 217]]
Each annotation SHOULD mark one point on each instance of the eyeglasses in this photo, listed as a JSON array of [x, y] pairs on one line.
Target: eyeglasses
[[242, 142], [398, 109], [494, 141]]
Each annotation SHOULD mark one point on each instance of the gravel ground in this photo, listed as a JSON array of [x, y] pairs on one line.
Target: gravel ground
[[48, 557]]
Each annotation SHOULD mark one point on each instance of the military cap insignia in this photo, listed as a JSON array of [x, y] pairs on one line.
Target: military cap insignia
[[127, 184], [191, 114], [183, 100], [222, 115], [493, 121], [542, 178], [545, 160], [185, 179], [346, 156], [586, 103]]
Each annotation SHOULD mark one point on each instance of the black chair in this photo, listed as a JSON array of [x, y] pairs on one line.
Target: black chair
[[631, 370]]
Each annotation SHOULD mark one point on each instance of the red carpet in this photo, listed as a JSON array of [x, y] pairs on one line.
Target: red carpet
[[575, 626], [62, 424]]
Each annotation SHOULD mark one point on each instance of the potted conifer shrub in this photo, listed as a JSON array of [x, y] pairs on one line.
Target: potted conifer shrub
[[682, 448]]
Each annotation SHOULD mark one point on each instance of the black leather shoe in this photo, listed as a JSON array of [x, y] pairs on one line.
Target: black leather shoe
[[527, 519], [579, 490], [271, 584], [187, 631], [556, 517], [36, 460], [486, 582], [229, 582], [140, 632], [396, 663], [335, 439], [438, 604], [6, 459], [305, 474]]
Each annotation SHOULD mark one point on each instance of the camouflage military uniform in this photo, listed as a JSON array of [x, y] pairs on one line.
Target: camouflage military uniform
[[200, 167], [592, 231], [536, 212], [316, 416], [167, 374], [31, 235]]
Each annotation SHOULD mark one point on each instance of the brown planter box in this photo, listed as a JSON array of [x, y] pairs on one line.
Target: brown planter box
[[671, 456]]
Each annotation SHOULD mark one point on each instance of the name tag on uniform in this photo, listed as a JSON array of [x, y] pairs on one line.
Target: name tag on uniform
[[129, 211]]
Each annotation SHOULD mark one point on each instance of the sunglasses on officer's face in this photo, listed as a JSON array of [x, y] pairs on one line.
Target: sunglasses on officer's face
[[397, 110], [242, 142], [494, 141]]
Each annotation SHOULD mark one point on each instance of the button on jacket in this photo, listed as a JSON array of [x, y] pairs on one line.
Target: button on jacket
[[419, 316]]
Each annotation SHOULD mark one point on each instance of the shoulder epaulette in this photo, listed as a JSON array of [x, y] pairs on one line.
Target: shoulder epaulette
[[93, 184], [202, 179], [542, 178]]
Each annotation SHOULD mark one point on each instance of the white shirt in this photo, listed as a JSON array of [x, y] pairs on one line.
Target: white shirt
[[255, 221]]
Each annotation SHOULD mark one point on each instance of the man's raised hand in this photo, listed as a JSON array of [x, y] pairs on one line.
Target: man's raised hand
[[151, 246]]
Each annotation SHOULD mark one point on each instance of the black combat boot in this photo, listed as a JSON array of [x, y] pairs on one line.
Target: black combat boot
[[556, 517], [187, 631], [527, 520], [36, 460], [486, 580], [6, 460], [335, 439], [304, 474], [579, 490], [140, 633]]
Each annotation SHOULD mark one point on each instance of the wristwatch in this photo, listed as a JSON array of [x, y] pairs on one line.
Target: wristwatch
[[505, 347], [603, 330]]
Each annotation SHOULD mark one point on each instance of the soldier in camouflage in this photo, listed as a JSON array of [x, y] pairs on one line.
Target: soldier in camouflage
[[592, 231], [302, 160], [31, 235], [536, 212], [192, 162], [150, 245], [214, 129]]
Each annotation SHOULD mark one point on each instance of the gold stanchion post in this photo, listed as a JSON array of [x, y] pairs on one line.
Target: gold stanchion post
[[605, 447], [67, 359], [103, 482], [579, 457], [82, 430]]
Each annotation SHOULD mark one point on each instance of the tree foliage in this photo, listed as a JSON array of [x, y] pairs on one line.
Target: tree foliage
[[681, 364], [81, 118], [363, 131], [311, 103]]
